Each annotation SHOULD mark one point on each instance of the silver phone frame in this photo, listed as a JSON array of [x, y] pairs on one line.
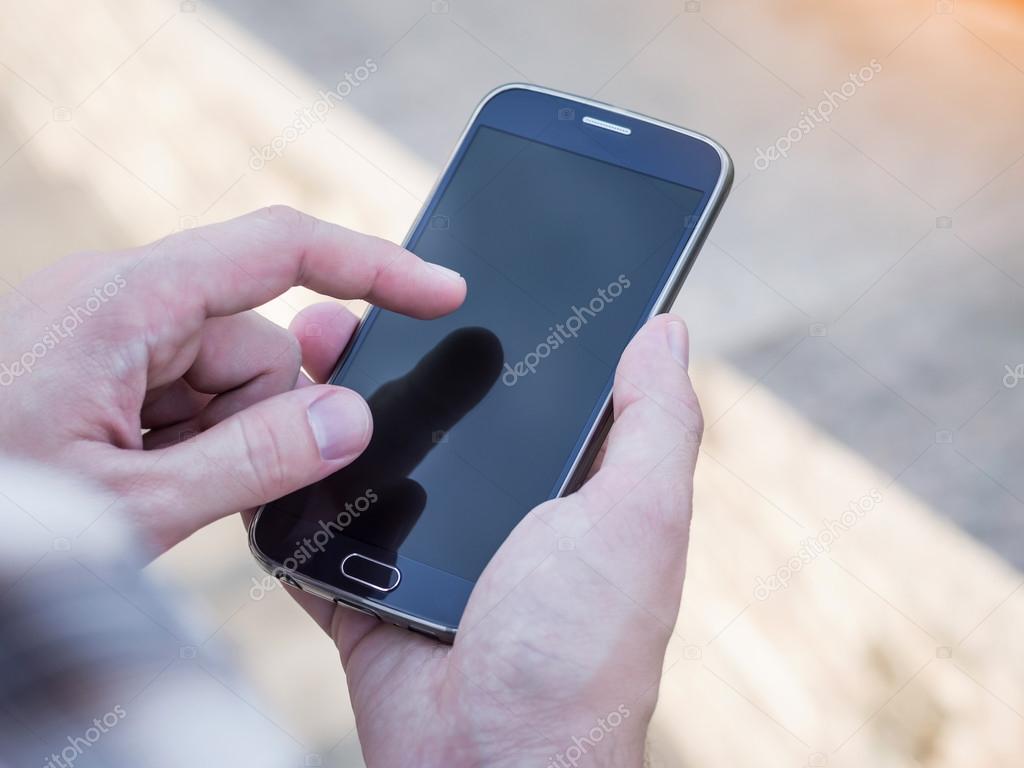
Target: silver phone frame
[[599, 428]]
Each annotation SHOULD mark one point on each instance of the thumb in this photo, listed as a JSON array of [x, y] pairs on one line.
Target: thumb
[[265, 452], [639, 501], [645, 480], [658, 423]]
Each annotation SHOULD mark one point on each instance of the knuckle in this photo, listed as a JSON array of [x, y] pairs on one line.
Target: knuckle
[[267, 469], [287, 219], [383, 259], [285, 362], [79, 273], [291, 352], [694, 421], [666, 510], [686, 407], [676, 415], [281, 352]]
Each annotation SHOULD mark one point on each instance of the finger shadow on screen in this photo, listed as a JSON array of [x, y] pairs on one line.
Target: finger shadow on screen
[[412, 416]]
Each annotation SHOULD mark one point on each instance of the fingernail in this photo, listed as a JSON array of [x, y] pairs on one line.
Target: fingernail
[[341, 424], [678, 343], [451, 274]]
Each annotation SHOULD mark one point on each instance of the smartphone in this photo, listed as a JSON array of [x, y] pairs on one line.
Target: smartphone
[[573, 222]]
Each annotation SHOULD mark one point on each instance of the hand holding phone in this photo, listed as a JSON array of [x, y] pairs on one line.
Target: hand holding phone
[[563, 640], [568, 624], [567, 628]]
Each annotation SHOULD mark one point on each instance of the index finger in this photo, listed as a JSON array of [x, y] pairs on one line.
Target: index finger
[[242, 263]]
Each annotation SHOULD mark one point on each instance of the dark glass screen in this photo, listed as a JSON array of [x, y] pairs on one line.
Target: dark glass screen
[[477, 415]]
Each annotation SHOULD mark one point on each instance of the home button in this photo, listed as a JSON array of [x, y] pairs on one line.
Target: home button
[[372, 573]]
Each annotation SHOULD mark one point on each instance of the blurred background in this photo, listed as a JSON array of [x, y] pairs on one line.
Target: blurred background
[[856, 316]]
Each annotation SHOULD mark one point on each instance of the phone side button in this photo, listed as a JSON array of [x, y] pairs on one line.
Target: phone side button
[[371, 573], [355, 607], [289, 581]]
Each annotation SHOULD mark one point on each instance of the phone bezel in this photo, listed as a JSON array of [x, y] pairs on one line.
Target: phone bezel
[[544, 107]]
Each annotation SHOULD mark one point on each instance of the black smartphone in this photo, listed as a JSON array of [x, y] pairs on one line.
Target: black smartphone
[[573, 222]]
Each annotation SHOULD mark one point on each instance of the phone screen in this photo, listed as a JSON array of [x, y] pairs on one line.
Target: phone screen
[[478, 415]]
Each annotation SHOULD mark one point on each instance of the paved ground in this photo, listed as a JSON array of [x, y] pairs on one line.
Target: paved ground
[[854, 316]]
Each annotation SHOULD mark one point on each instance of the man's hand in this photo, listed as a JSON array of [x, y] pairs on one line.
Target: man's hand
[[559, 655], [102, 346]]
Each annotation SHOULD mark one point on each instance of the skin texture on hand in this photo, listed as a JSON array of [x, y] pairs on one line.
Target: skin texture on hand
[[559, 655]]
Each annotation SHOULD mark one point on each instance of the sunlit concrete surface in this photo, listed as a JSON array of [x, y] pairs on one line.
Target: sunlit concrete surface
[[854, 315]]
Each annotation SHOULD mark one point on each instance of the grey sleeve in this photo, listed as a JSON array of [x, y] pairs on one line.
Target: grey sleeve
[[97, 666]]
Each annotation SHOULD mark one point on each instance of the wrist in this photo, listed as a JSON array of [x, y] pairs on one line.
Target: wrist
[[622, 749]]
